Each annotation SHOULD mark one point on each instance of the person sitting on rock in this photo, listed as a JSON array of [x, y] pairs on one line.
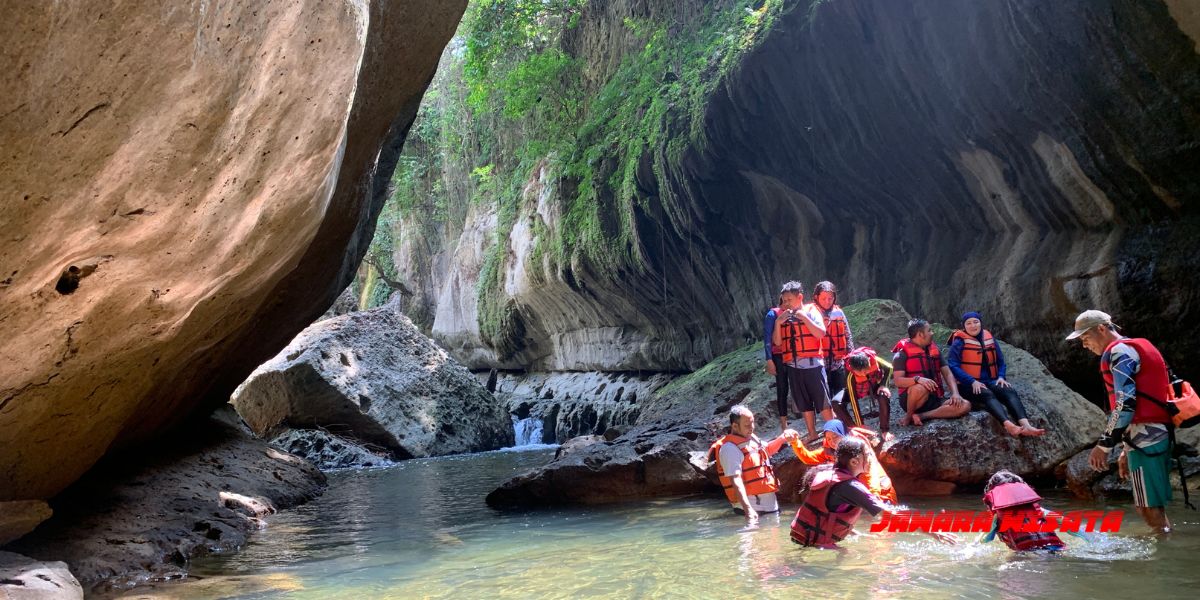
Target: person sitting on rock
[[833, 498], [744, 465], [875, 477], [867, 378], [837, 343], [1007, 494], [799, 330], [978, 365], [920, 373]]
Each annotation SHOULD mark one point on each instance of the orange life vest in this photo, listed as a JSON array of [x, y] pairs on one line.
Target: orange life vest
[[1016, 499], [919, 361], [836, 342], [815, 524], [1153, 383], [757, 474], [874, 376], [798, 341], [973, 354]]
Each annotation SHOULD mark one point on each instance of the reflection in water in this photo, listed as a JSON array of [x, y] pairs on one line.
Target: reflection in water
[[421, 529]]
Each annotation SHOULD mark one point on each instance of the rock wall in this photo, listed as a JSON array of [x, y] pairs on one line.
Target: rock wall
[[573, 404], [185, 187], [1024, 158]]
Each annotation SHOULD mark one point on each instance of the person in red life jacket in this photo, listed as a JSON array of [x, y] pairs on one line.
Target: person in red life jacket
[[799, 330], [978, 365], [834, 498], [1006, 494], [867, 377], [774, 356], [744, 465], [837, 344], [875, 477], [1135, 375], [920, 373]]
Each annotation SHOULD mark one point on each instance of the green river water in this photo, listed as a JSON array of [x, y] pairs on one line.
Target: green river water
[[420, 529]]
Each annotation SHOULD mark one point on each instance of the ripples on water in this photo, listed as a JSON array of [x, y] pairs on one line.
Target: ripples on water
[[420, 529]]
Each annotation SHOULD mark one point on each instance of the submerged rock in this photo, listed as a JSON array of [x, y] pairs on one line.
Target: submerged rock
[[142, 516], [370, 377], [23, 578]]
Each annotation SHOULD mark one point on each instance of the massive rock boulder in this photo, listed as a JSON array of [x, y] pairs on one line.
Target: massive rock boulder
[[678, 423], [136, 519], [371, 376], [185, 188]]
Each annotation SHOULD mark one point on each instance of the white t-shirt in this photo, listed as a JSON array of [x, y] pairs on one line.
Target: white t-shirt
[[731, 464]]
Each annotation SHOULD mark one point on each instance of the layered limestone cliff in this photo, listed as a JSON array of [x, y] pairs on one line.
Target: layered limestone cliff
[[1022, 158]]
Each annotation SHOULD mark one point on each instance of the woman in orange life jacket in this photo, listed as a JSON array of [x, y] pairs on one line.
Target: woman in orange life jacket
[[834, 498], [1007, 494], [978, 364], [837, 344], [875, 477]]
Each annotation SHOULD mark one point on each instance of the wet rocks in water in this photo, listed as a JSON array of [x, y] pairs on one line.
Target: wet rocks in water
[[23, 578], [372, 378], [142, 516], [571, 404], [328, 451]]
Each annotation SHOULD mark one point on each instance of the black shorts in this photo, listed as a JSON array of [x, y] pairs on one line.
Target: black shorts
[[810, 391], [931, 403]]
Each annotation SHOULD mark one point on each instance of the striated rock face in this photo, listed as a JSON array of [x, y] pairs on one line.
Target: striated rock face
[[370, 376], [574, 404], [138, 519], [185, 188], [1024, 158]]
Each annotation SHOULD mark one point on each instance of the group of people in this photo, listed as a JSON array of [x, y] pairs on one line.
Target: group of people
[[810, 350]]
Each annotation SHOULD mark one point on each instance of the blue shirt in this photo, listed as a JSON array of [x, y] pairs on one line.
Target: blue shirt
[[768, 331], [954, 361]]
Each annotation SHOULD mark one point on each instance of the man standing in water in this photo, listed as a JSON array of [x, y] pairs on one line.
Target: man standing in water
[[799, 330], [744, 465], [1138, 385]]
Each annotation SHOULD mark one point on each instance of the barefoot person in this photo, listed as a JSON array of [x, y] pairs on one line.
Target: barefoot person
[[744, 465], [774, 359], [1135, 375], [867, 378], [920, 372], [838, 342], [978, 365]]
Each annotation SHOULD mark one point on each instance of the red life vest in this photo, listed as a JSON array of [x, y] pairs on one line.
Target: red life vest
[[836, 343], [815, 524], [1019, 498], [776, 349], [1153, 383], [798, 341], [757, 474], [918, 361], [862, 387], [973, 354]]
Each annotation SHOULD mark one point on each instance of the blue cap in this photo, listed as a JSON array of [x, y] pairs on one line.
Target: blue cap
[[971, 315], [835, 426]]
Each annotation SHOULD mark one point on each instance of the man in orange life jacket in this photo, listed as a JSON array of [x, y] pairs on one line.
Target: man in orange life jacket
[[918, 367], [799, 331], [744, 465], [1135, 375]]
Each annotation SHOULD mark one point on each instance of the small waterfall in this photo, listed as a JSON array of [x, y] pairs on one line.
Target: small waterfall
[[527, 431]]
